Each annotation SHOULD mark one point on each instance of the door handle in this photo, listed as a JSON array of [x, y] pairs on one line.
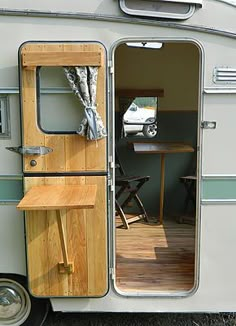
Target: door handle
[[208, 124], [30, 150]]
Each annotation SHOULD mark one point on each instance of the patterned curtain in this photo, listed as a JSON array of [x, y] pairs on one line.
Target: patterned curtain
[[83, 82]]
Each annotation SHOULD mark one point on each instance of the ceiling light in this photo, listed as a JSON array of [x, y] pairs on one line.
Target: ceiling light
[[146, 45]]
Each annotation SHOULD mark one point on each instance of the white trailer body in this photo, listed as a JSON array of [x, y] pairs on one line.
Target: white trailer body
[[201, 41]]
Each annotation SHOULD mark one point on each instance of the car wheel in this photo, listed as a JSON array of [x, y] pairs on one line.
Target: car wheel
[[150, 131], [17, 306]]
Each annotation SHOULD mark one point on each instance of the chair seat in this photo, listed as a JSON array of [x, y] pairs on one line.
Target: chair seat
[[189, 177], [126, 179]]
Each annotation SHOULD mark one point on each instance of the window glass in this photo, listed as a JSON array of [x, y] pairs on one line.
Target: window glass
[[140, 116], [59, 111]]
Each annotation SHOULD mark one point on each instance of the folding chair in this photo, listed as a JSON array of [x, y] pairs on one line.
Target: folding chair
[[130, 186], [189, 182]]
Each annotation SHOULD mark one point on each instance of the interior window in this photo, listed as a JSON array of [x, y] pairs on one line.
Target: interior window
[[140, 118]]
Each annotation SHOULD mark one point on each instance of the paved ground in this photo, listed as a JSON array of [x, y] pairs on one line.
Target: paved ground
[[60, 319]]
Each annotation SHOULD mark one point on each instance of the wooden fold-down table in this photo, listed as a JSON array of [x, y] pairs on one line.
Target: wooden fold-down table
[[161, 148], [58, 197]]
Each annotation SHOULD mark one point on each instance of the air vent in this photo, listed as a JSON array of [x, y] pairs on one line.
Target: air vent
[[224, 76]]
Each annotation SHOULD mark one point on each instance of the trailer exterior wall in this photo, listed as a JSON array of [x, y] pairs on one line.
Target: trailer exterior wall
[[217, 289]]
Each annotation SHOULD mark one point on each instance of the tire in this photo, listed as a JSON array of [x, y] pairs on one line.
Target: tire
[[150, 131], [132, 133], [25, 310]]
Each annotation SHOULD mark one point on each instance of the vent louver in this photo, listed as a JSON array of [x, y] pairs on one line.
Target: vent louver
[[224, 75]]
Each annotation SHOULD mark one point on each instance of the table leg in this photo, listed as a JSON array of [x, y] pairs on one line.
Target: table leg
[[162, 187], [65, 266]]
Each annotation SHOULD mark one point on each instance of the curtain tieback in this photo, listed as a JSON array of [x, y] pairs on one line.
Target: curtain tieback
[[91, 113]]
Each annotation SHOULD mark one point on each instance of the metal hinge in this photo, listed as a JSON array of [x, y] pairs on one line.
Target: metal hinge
[[30, 150], [112, 273], [111, 162], [111, 67], [208, 124], [110, 184]]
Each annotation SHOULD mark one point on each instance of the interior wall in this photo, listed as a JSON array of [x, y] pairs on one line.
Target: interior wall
[[172, 68]]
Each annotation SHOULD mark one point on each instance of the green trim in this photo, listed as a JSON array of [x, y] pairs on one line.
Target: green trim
[[218, 189], [11, 177], [11, 189]]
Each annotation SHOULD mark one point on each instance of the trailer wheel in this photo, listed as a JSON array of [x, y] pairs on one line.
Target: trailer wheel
[[17, 306]]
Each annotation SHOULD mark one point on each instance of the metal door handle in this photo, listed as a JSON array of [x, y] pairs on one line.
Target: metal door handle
[[30, 150]]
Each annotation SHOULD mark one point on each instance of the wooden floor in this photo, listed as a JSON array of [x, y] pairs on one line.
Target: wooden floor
[[155, 258]]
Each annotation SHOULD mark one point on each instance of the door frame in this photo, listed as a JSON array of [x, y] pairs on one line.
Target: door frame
[[200, 47]]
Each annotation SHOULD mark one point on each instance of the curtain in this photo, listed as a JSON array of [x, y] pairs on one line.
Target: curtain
[[83, 82]]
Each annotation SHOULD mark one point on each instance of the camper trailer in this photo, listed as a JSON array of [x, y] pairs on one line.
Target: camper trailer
[[104, 213]]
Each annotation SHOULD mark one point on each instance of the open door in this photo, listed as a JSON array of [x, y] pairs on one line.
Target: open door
[[66, 241]]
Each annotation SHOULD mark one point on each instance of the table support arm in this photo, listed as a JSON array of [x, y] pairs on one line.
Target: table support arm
[[162, 187], [65, 266]]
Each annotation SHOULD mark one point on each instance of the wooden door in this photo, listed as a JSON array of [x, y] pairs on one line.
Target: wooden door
[[73, 161]]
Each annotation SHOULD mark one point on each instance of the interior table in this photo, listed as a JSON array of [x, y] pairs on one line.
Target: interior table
[[59, 197], [161, 148]]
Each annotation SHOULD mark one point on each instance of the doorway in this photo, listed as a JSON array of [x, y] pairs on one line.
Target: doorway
[[157, 111]]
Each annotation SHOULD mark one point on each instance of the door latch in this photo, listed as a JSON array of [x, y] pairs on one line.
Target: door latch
[[30, 150], [208, 124]]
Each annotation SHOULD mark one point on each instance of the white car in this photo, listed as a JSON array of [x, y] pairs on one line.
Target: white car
[[140, 120]]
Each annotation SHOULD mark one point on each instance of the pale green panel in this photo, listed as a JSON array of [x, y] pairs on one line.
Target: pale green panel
[[10, 190], [218, 189]]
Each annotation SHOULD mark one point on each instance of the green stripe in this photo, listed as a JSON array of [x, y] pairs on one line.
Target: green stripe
[[218, 189], [11, 190]]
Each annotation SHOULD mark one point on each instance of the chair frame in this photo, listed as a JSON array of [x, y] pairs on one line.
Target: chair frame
[[124, 182]]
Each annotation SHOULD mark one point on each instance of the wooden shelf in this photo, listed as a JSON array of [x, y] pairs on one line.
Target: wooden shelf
[[56, 197], [161, 148]]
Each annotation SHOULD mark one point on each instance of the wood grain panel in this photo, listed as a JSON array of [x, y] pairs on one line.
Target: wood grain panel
[[155, 258], [75, 153], [59, 58], [58, 197], [86, 237], [70, 152], [97, 277], [77, 244], [55, 161], [32, 136], [93, 160]]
